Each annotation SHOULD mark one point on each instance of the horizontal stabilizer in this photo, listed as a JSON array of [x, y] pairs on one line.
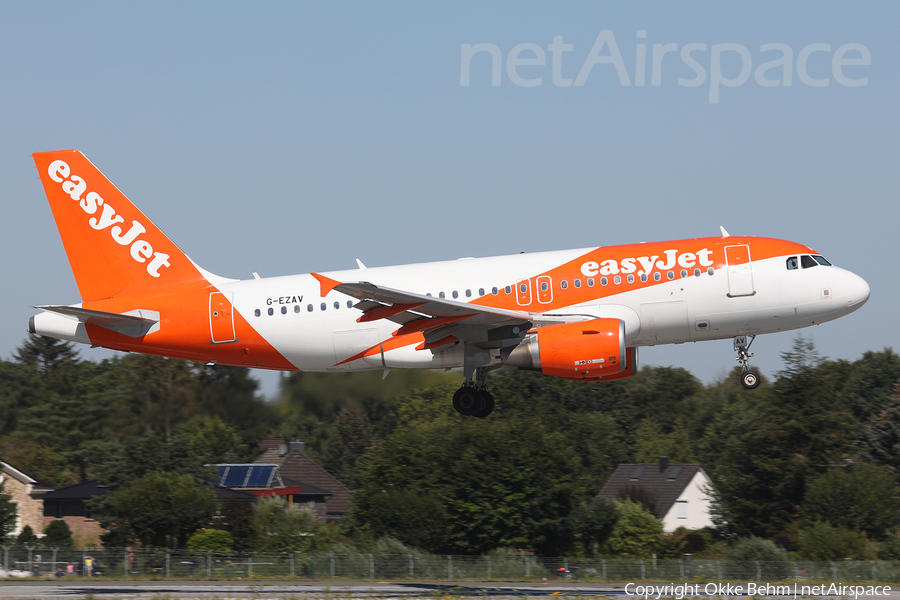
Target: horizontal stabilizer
[[134, 323]]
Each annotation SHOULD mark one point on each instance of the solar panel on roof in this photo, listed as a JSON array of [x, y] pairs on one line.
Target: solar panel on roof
[[221, 470], [237, 474], [259, 476]]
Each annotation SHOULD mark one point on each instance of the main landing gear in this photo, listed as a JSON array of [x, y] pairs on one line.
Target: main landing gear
[[473, 399], [749, 377]]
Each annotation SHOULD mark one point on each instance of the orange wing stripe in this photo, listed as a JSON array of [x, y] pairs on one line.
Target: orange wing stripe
[[423, 324], [387, 311]]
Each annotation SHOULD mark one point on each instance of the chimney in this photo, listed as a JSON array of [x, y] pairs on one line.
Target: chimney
[[663, 463]]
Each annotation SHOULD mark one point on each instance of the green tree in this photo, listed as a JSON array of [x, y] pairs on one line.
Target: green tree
[[795, 430], [863, 498], [415, 519], [637, 533], [160, 509], [500, 482], [27, 537], [592, 522], [752, 549], [57, 535], [214, 540], [352, 438], [283, 528], [882, 436], [209, 437]]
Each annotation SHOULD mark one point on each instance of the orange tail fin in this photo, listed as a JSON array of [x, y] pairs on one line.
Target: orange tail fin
[[112, 246]]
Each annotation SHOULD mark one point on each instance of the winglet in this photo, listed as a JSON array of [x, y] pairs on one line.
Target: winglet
[[327, 283], [724, 233]]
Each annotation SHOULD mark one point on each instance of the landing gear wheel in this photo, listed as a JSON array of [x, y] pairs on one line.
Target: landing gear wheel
[[488, 404], [468, 401], [750, 380]]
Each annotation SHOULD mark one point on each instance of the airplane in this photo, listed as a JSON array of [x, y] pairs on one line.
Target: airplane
[[574, 314]]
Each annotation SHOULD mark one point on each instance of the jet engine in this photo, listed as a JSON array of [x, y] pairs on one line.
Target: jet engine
[[591, 350]]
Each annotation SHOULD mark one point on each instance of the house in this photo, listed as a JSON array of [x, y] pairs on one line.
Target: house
[[27, 495], [264, 480], [680, 493], [70, 505], [294, 465]]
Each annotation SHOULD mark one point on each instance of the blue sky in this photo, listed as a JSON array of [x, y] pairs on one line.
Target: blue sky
[[286, 137]]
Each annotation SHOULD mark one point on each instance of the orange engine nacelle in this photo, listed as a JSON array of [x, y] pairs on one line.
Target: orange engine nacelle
[[587, 350]]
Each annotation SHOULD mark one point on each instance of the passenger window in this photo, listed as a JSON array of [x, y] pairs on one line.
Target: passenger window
[[657, 276], [481, 291], [508, 290], [441, 295], [271, 311], [604, 281], [711, 271], [807, 262], [670, 275], [495, 291], [256, 312], [543, 286], [523, 288], [309, 307], [468, 293], [284, 310], [683, 273], [455, 294], [617, 280], [337, 305], [631, 279], [296, 308], [821, 260], [563, 284], [349, 303], [322, 306], [577, 283], [792, 263], [590, 282], [643, 277], [696, 272]]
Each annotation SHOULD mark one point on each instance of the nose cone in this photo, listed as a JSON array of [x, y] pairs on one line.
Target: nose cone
[[856, 290]]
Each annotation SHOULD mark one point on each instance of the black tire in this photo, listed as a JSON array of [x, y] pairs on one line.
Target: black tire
[[750, 380], [467, 401], [488, 405]]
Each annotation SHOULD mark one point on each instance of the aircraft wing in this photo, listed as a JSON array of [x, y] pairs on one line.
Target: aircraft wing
[[441, 320]]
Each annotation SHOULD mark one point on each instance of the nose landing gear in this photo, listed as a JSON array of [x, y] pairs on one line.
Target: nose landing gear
[[473, 399], [749, 377]]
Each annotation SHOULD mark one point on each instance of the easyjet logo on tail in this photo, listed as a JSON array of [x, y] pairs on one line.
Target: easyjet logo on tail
[[141, 250]]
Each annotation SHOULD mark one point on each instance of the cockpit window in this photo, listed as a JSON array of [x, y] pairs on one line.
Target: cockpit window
[[807, 262], [792, 263], [821, 260]]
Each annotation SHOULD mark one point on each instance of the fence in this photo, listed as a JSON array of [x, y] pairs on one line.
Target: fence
[[115, 563]]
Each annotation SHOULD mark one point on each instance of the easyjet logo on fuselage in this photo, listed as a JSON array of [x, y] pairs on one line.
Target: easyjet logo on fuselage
[[141, 250], [647, 263]]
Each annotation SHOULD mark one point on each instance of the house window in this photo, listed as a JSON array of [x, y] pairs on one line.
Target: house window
[[681, 509]]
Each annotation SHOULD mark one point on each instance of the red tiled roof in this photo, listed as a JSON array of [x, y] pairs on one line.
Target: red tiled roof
[[299, 467]]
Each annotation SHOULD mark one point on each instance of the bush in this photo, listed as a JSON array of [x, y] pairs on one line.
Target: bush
[[637, 533], [822, 541], [58, 535], [744, 554], [215, 540]]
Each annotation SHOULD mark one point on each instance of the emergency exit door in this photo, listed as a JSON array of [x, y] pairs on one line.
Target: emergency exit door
[[740, 271]]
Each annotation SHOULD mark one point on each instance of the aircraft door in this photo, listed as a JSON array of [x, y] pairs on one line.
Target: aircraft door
[[740, 272], [545, 289], [221, 318], [523, 292]]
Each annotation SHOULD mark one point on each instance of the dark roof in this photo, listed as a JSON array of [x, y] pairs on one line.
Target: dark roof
[[307, 489], [662, 486], [297, 466], [79, 491], [223, 493]]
